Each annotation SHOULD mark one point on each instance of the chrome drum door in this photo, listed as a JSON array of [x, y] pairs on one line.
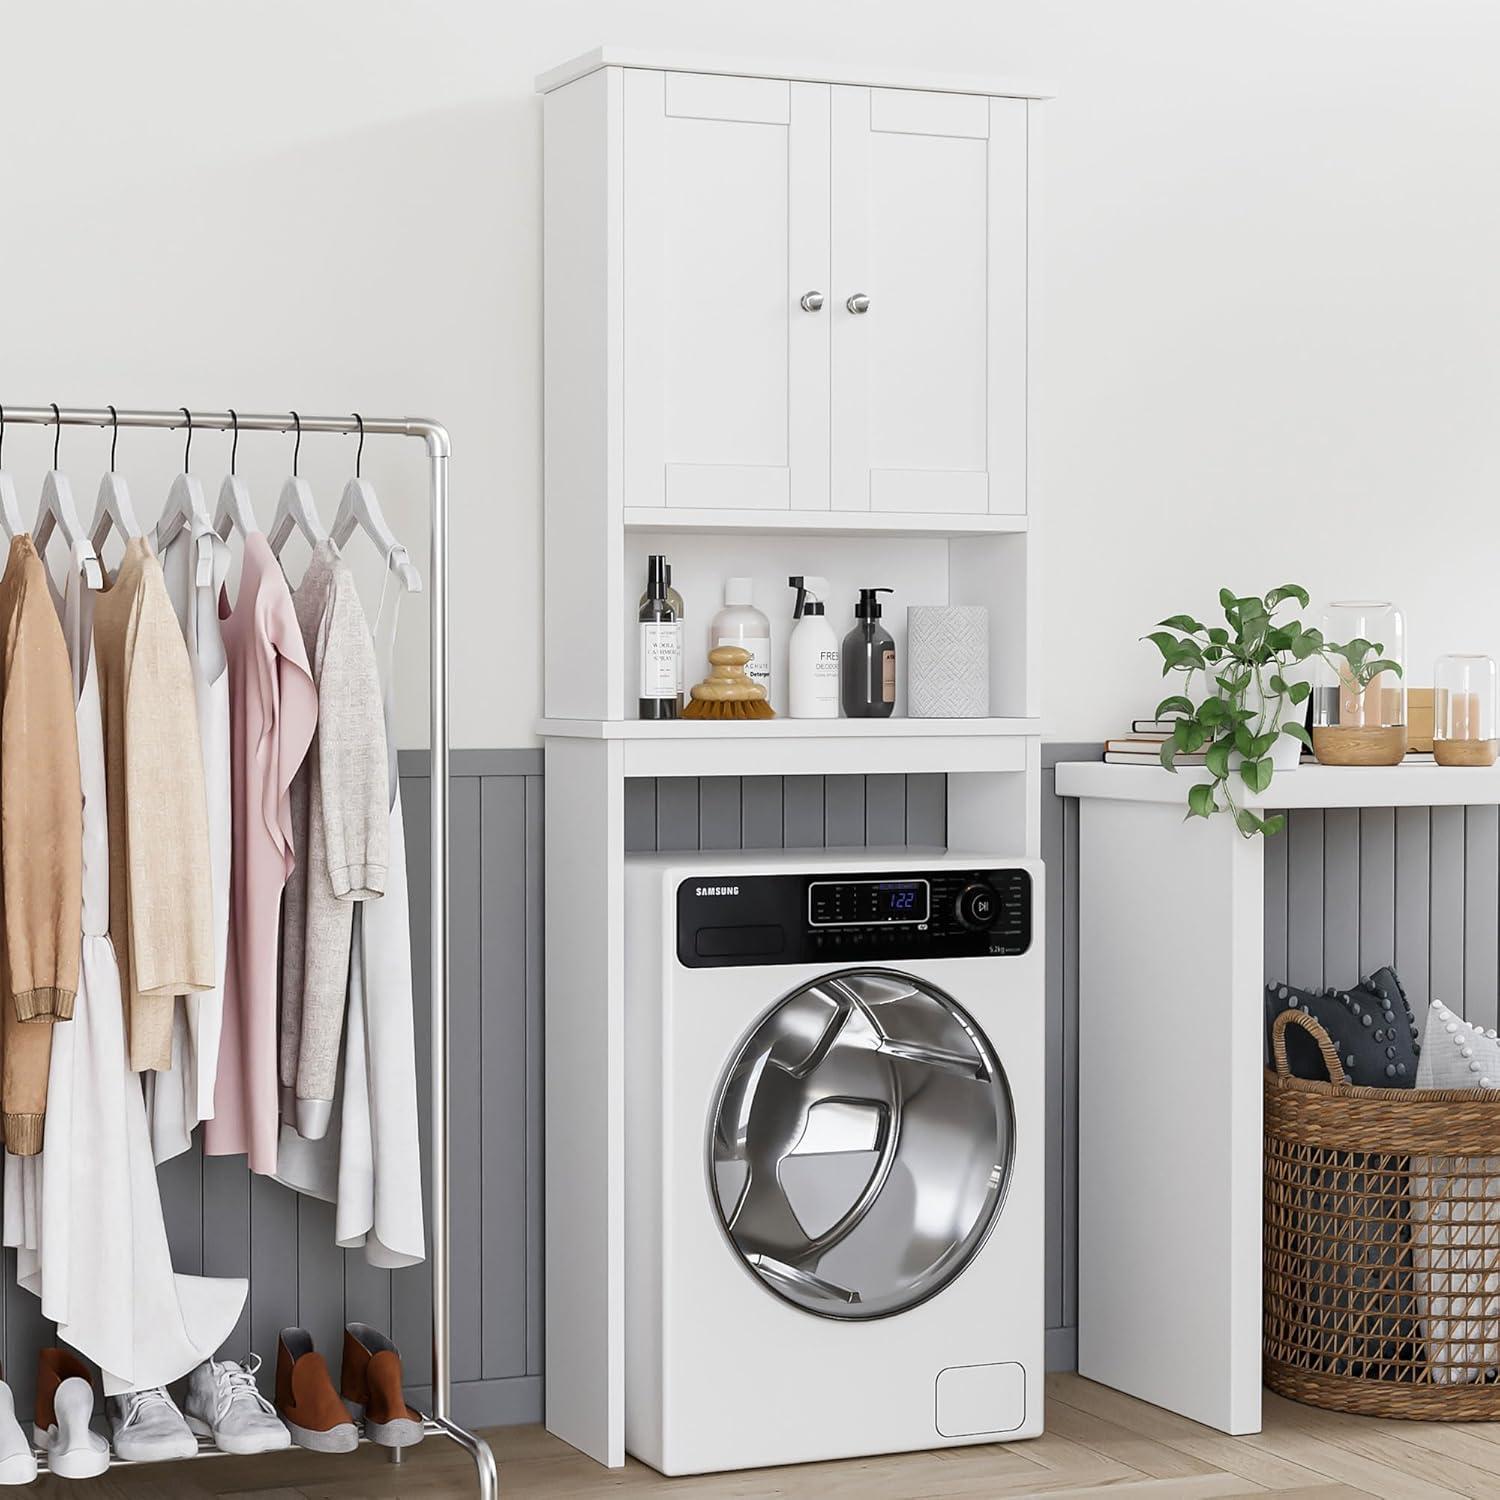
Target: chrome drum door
[[860, 1144]]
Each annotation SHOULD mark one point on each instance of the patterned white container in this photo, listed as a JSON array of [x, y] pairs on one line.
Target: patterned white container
[[947, 661]]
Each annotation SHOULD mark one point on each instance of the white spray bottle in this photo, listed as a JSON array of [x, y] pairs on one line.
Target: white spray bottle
[[812, 655]]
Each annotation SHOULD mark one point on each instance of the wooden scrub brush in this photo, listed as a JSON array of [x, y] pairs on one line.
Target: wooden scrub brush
[[727, 692]]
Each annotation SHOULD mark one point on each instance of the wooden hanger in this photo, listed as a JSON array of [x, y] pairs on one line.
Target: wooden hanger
[[57, 510], [359, 507], [296, 510]]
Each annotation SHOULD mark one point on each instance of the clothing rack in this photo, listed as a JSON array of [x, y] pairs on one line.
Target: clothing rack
[[435, 437]]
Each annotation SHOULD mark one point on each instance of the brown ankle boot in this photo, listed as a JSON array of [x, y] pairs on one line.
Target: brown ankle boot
[[306, 1399], [371, 1383]]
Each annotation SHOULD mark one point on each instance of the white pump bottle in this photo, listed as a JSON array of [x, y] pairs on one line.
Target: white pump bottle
[[813, 654]]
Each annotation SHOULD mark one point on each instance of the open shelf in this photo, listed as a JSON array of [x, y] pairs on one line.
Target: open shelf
[[794, 747], [661, 518], [993, 570], [1417, 784]]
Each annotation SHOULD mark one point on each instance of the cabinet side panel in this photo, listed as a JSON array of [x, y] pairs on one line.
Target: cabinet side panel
[[642, 352], [1007, 341], [581, 259], [1035, 522], [585, 1107]]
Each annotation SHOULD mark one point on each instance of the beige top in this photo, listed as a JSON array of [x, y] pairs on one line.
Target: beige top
[[160, 888], [41, 854], [341, 821]]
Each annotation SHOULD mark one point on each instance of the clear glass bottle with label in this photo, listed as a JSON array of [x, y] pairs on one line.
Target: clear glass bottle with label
[[660, 646], [680, 614]]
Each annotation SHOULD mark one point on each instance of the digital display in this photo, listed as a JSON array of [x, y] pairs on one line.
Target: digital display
[[901, 900], [863, 903]]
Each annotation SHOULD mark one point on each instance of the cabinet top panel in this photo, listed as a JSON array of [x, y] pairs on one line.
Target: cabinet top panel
[[863, 75]]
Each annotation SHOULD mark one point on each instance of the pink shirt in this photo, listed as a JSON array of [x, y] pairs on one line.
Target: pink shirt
[[273, 711]]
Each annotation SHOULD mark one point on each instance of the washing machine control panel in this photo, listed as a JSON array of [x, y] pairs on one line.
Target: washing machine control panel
[[863, 917]]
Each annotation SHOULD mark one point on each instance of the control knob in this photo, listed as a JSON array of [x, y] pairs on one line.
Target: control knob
[[977, 906]]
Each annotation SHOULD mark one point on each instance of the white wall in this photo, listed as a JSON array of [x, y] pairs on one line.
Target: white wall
[[1273, 281]]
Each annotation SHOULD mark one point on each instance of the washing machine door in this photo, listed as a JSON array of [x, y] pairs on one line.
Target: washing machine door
[[861, 1144]]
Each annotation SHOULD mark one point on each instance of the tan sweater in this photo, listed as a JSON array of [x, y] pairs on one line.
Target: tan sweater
[[160, 893], [41, 841]]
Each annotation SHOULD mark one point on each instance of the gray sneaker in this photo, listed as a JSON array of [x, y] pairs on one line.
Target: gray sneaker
[[146, 1426], [224, 1403]]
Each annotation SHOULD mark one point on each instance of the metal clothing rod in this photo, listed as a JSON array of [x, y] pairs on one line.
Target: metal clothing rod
[[433, 433], [435, 437]]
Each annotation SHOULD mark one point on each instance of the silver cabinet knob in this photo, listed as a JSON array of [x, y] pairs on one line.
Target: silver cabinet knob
[[812, 301], [858, 303]]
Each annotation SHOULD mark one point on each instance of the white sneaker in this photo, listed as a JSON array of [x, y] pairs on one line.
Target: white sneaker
[[74, 1450], [223, 1403], [147, 1427], [17, 1461]]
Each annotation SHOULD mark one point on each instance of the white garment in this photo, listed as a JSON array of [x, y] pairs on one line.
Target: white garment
[[177, 1101], [86, 1214], [370, 1162]]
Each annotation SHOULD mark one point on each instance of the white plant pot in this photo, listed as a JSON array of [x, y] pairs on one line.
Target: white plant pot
[[1286, 753]]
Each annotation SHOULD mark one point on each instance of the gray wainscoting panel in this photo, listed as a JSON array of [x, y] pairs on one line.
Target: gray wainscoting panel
[[1345, 892], [1349, 890], [688, 813], [222, 1221]]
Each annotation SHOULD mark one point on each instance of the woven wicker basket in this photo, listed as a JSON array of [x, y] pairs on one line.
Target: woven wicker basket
[[1382, 1243]]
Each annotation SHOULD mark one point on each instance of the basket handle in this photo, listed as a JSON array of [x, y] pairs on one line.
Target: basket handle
[[1331, 1059]]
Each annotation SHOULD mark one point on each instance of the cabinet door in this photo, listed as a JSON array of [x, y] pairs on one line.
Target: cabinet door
[[725, 228], [929, 224]]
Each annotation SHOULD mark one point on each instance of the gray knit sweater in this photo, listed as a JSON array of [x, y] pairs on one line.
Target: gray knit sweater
[[341, 832]]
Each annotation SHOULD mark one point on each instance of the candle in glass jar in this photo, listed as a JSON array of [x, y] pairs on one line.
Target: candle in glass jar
[[1461, 715]]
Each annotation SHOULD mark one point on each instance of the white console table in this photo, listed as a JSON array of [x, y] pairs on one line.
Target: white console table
[[1170, 1027]]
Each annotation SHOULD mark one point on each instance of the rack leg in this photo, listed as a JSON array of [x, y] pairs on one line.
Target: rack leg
[[479, 1451]]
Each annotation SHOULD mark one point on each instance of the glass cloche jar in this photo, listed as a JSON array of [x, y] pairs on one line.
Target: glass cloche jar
[[1463, 711], [1359, 697]]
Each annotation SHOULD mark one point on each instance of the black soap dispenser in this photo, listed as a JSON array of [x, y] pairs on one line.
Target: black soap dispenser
[[869, 662]]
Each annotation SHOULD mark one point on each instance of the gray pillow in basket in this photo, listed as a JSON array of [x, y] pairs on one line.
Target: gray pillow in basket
[[1458, 1055], [1455, 1211], [1370, 1025]]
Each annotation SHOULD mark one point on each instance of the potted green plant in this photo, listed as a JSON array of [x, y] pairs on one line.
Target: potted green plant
[[1238, 717]]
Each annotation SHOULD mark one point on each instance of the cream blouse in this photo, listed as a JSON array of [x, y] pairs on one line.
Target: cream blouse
[[160, 901]]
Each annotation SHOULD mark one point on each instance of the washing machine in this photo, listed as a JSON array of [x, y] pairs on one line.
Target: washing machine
[[834, 1151]]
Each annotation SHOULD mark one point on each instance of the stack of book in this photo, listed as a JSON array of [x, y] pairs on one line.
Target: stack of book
[[1142, 746]]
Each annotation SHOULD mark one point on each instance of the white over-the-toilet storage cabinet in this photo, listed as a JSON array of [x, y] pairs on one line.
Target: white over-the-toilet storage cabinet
[[790, 321], [824, 296]]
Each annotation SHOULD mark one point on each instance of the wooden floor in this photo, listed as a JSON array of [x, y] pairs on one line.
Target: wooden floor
[[1098, 1443]]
